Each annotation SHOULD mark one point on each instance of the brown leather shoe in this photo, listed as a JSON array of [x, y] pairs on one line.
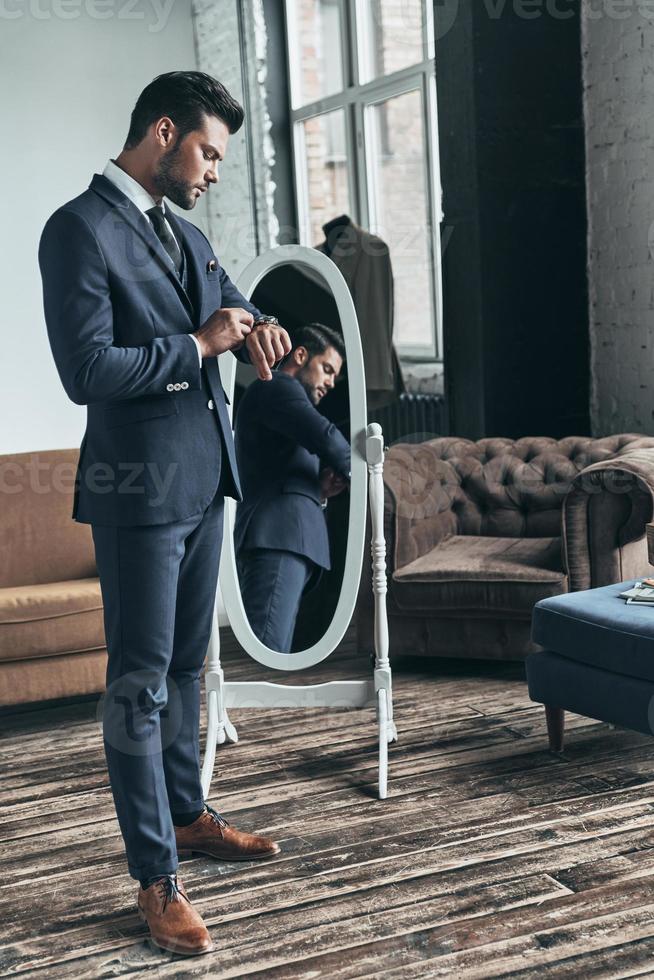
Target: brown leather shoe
[[174, 923], [211, 834]]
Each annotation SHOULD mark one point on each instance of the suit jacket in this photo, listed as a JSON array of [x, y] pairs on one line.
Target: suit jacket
[[281, 442], [118, 321], [364, 262]]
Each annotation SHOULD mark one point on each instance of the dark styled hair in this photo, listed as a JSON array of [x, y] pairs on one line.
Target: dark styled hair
[[316, 338], [185, 96]]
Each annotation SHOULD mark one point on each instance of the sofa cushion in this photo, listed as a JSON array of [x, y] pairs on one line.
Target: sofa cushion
[[598, 628], [63, 676], [478, 574], [58, 617]]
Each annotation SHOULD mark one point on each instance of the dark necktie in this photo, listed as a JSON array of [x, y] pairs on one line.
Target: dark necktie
[[165, 236]]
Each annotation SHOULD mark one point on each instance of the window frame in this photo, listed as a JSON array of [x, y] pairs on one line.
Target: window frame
[[354, 100]]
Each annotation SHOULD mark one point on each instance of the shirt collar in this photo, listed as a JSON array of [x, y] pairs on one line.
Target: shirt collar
[[130, 187]]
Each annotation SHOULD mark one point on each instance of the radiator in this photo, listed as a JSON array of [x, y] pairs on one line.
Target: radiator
[[412, 418]]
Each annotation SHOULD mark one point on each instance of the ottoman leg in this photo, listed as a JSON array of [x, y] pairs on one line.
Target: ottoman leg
[[555, 718]]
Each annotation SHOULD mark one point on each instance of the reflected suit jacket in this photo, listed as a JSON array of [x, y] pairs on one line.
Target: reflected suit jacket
[[282, 441], [118, 320]]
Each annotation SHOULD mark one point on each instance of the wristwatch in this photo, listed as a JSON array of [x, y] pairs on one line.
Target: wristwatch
[[266, 319]]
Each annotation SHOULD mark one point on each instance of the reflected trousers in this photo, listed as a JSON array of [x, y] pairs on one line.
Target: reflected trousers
[[272, 582]]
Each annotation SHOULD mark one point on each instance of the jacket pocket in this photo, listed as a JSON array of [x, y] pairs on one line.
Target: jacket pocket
[[116, 415]]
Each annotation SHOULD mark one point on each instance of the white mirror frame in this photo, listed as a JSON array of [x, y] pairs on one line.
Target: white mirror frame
[[299, 255], [367, 471]]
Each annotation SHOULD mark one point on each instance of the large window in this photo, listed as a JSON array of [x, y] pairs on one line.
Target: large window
[[363, 104]]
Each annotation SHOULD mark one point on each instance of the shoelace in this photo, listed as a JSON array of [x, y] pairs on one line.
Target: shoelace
[[171, 891], [218, 817]]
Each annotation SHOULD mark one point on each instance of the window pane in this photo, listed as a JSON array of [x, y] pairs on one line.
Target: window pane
[[392, 36], [326, 177], [315, 49], [400, 210]]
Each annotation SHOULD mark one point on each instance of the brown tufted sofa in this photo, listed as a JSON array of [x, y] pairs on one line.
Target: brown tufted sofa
[[478, 532], [51, 621]]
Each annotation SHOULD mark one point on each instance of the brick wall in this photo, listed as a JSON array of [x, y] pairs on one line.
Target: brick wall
[[240, 216], [617, 42]]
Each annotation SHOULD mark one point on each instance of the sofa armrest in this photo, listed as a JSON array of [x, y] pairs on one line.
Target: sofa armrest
[[421, 496], [604, 517]]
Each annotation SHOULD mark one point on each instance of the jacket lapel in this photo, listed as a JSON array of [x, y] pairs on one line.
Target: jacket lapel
[[136, 222]]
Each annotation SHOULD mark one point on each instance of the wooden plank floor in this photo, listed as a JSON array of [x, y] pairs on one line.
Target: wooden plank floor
[[491, 857]]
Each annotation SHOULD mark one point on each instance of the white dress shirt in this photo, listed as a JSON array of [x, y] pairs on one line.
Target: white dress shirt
[[143, 201]]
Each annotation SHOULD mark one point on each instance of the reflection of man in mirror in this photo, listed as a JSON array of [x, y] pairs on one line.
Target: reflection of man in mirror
[[291, 460], [137, 307]]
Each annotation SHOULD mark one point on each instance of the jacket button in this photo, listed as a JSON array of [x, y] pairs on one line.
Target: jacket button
[[184, 385], [170, 387], [210, 403], [177, 386]]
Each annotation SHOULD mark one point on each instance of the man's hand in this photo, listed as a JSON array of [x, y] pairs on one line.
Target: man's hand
[[331, 483], [267, 343], [226, 329]]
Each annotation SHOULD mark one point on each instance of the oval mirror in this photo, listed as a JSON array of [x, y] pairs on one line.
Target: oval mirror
[[302, 287]]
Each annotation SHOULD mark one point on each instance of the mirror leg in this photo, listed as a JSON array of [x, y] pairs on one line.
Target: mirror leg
[[225, 730], [210, 749], [382, 720], [213, 713], [219, 727], [231, 735]]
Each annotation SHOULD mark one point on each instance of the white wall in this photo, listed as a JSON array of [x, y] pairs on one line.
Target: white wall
[[67, 88], [618, 40]]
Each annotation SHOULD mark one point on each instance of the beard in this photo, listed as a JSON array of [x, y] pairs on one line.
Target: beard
[[311, 390], [171, 183]]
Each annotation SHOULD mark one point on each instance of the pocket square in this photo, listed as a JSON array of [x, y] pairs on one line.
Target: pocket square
[[212, 265]]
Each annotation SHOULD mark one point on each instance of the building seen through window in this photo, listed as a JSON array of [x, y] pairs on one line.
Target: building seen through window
[[363, 105]]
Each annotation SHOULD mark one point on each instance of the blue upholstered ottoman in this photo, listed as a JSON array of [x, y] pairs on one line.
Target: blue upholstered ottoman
[[598, 659]]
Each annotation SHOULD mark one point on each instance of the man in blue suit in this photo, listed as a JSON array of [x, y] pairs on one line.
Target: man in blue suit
[[137, 308], [291, 460]]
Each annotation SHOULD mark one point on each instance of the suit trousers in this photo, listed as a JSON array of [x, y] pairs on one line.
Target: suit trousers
[[158, 587], [272, 582]]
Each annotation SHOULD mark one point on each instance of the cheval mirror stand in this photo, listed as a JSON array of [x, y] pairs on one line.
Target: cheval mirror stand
[[366, 489]]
